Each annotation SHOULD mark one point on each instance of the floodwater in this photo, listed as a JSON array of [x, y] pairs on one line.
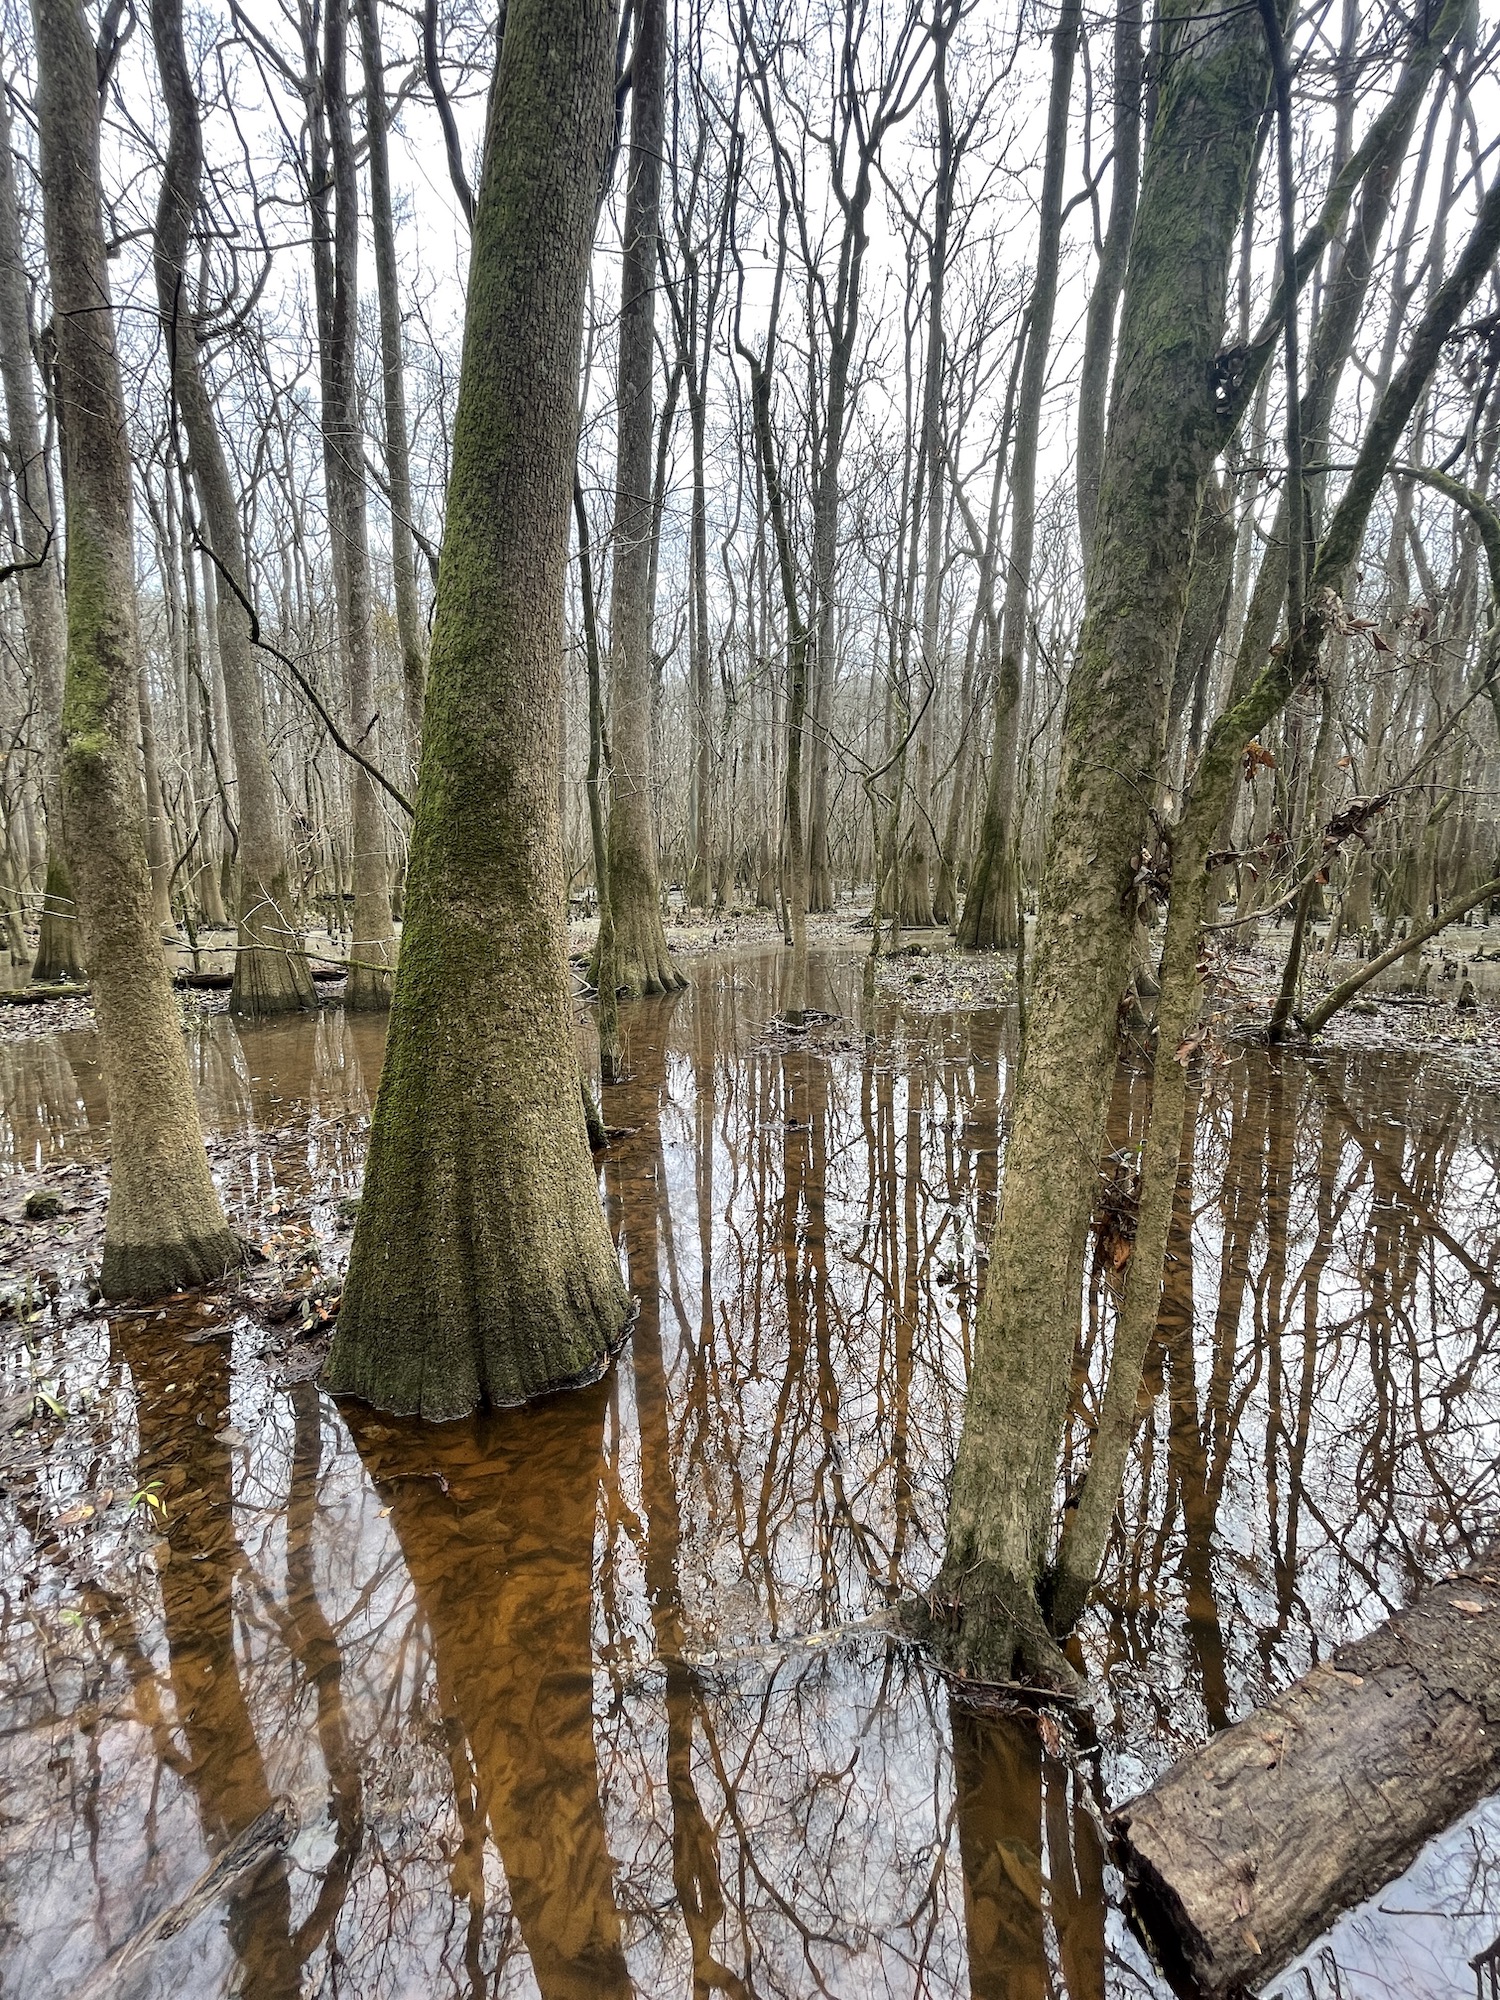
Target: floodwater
[[600, 1698]]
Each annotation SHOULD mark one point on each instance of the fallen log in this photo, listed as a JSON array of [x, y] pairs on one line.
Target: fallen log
[[38, 996], [1249, 1847]]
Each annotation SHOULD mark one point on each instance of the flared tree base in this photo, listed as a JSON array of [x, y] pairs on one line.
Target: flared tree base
[[990, 920], [540, 1339], [59, 959], [482, 1273], [271, 974], [643, 964], [368, 990], [152, 1270], [59, 951], [988, 1628]]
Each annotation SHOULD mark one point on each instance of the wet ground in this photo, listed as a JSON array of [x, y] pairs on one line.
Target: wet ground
[[600, 1698]]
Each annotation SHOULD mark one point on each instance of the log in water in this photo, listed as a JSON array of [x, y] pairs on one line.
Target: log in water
[[1249, 1847]]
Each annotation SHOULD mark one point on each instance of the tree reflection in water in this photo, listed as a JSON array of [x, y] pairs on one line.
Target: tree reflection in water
[[597, 1698]]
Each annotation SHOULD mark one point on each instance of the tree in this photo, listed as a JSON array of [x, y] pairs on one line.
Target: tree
[[642, 962], [59, 955], [336, 270], [482, 1271], [1181, 990], [393, 379], [1164, 434], [270, 972], [164, 1228], [991, 912]]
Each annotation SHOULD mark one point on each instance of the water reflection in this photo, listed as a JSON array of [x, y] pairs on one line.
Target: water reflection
[[495, 1521], [597, 1698]]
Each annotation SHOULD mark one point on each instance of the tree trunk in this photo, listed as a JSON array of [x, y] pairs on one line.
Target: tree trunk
[[59, 955], [372, 945], [606, 985], [409, 632], [1163, 437], [1235, 1859], [1104, 300], [990, 915], [158, 827], [701, 877], [642, 963], [917, 887], [1086, 1533], [270, 973], [164, 1228], [482, 1271]]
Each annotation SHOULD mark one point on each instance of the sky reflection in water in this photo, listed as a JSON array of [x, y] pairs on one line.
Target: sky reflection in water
[[594, 1699]]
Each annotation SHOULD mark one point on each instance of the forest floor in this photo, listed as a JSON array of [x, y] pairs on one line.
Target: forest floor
[[930, 974]]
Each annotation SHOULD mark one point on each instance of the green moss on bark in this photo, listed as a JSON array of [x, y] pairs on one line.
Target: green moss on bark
[[482, 1271], [1164, 433]]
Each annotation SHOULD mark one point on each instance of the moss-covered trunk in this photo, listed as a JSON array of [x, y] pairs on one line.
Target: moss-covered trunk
[[642, 963], [1083, 1543], [270, 971], [482, 1271], [164, 1228], [1163, 435]]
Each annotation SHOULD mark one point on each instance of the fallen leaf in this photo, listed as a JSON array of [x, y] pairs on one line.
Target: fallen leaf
[[83, 1510], [230, 1435], [1470, 1607]]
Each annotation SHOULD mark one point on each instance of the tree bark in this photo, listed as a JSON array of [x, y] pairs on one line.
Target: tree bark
[[1086, 1532], [1234, 1858], [164, 1228], [991, 912], [642, 962], [482, 1271], [372, 949], [59, 954], [917, 907], [1163, 437], [270, 973], [1104, 300], [409, 632]]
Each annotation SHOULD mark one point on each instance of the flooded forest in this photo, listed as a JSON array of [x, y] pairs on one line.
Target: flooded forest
[[749, 1000]]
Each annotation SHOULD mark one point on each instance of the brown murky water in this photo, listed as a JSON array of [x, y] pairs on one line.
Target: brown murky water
[[598, 1698]]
